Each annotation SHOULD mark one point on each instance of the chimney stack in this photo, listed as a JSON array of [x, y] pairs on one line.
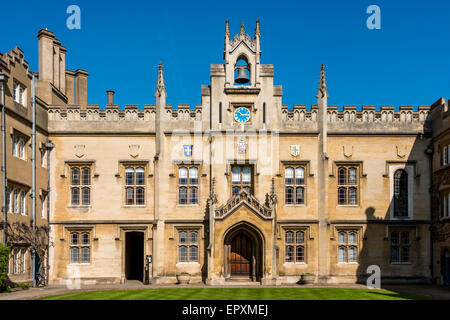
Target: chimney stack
[[110, 97], [81, 87]]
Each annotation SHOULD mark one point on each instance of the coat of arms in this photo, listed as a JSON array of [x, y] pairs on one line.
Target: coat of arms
[[295, 150], [79, 150], [242, 145], [134, 150], [188, 150]]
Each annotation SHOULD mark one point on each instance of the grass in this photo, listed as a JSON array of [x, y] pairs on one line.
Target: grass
[[238, 294]]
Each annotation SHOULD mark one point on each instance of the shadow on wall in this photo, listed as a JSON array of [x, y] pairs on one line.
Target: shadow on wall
[[398, 240]]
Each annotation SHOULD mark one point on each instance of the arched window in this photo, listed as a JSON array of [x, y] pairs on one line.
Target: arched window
[[342, 176], [299, 175], [300, 237], [182, 195], [241, 178], [188, 185], [352, 196], [352, 176], [74, 238], [193, 175], [188, 246], [289, 195], [401, 193], [75, 196], [300, 195], [86, 176], [342, 254], [193, 195], [129, 176], [182, 175], [289, 175], [75, 176], [129, 194], [289, 254], [289, 237], [246, 175], [86, 196], [236, 175], [140, 176], [140, 196]]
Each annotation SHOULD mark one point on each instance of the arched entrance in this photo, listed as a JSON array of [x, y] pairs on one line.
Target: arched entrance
[[243, 247]]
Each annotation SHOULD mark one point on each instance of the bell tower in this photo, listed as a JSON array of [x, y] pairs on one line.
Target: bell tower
[[242, 57], [243, 96]]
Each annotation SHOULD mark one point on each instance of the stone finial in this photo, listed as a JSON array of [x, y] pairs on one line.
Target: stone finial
[[273, 195], [257, 31], [227, 29], [242, 32], [213, 195], [322, 83], [160, 88]]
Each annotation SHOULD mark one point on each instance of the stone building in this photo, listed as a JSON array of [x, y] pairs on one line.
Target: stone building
[[239, 187], [441, 191]]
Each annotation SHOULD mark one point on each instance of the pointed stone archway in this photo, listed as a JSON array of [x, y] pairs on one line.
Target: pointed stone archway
[[243, 253]]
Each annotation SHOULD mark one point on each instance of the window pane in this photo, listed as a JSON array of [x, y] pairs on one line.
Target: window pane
[[75, 196], [74, 238], [300, 254], [394, 238], [300, 237], [394, 254], [129, 194], [14, 146], [236, 191], [86, 176], [140, 196], [247, 175], [352, 197], [183, 195], [193, 254], [183, 237], [74, 255], [22, 202], [9, 192], [289, 237], [129, 176], [236, 175], [182, 175], [16, 200], [342, 254], [405, 254], [289, 195], [22, 149], [300, 175], [352, 238], [85, 255], [193, 195], [342, 237], [352, 254], [248, 190], [401, 193], [300, 196], [85, 238], [289, 175], [289, 254], [342, 176], [140, 176], [182, 252], [86, 196], [193, 237], [405, 238], [352, 176], [75, 176], [193, 175], [342, 196]]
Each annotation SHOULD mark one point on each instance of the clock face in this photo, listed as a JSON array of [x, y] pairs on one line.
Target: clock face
[[242, 114]]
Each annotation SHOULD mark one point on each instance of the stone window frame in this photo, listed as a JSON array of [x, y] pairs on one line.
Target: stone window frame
[[18, 149], [188, 244], [18, 96], [347, 185], [81, 185], [241, 185], [189, 184], [295, 185], [400, 245], [135, 186], [80, 245], [347, 244], [18, 206], [295, 244], [410, 169]]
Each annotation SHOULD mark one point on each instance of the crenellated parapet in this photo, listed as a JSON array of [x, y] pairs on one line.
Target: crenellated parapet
[[365, 119], [183, 112]]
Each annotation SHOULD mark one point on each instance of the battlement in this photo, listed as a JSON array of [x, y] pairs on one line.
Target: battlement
[[183, 112], [350, 113], [15, 57]]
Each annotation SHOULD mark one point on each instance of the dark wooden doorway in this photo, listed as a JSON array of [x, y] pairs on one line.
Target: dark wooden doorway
[[134, 256], [241, 256]]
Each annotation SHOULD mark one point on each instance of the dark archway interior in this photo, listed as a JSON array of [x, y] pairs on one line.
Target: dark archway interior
[[134, 256]]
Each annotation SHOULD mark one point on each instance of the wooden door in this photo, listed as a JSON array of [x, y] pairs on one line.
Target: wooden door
[[241, 256]]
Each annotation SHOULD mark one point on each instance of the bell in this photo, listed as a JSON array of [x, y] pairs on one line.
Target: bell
[[242, 77]]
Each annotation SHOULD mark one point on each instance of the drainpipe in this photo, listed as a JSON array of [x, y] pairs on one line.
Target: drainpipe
[[33, 191], [429, 152], [3, 81], [49, 146]]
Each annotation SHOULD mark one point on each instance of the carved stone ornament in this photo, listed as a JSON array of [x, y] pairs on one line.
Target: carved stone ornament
[[348, 151], [79, 150], [134, 150], [401, 151]]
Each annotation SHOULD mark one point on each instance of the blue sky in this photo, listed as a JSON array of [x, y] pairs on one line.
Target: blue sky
[[407, 62]]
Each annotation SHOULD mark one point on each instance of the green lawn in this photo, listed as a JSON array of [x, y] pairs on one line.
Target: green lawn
[[238, 294]]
